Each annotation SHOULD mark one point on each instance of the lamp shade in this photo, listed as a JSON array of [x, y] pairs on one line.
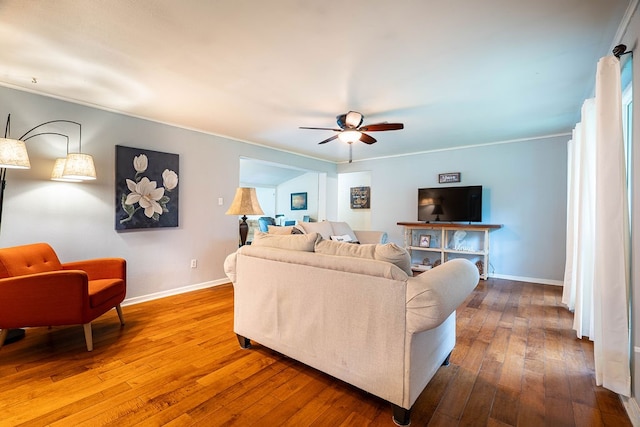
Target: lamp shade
[[13, 154], [79, 166], [58, 169], [245, 202]]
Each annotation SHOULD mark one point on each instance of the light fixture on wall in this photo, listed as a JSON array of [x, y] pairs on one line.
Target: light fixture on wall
[[245, 202]]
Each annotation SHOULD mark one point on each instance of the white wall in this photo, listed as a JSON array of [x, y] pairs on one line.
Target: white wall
[[524, 189], [78, 219]]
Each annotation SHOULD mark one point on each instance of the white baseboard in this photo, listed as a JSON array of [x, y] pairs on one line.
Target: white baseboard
[[176, 291], [632, 408], [528, 279]]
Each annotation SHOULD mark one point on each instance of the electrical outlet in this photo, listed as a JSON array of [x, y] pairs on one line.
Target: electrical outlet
[[194, 263], [220, 201]]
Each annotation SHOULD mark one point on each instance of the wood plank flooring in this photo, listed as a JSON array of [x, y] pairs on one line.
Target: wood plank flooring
[[176, 362]]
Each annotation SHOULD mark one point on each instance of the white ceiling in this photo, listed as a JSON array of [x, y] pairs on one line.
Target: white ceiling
[[455, 72]]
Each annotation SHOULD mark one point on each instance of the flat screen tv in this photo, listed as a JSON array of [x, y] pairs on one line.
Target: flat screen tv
[[450, 204]]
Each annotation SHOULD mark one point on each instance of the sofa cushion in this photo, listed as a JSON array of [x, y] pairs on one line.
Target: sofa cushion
[[342, 229], [323, 228], [294, 242], [388, 252], [332, 247], [275, 229], [394, 254]]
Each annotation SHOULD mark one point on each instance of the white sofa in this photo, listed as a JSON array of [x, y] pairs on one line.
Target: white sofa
[[363, 320]]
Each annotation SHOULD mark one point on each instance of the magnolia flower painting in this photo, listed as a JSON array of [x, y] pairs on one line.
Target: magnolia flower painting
[[146, 188]]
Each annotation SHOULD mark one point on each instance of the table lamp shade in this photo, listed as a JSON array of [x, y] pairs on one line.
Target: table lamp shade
[[245, 203]]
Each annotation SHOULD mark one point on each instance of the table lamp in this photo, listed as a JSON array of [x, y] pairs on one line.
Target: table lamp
[[245, 203]]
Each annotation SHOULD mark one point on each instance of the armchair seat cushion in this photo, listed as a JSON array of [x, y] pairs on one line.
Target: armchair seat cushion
[[103, 291]]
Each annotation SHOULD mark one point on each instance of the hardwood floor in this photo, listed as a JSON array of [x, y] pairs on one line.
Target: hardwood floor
[[177, 362]]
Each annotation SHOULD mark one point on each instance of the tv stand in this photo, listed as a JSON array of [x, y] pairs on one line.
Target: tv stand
[[447, 241]]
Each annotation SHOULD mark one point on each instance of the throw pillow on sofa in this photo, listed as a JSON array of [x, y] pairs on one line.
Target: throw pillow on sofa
[[327, 229], [389, 252], [323, 228], [276, 229], [294, 242]]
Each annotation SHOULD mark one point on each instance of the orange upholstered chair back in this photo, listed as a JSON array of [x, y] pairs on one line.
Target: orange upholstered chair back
[[28, 259]]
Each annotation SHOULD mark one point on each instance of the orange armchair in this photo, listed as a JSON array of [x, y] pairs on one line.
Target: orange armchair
[[37, 290]]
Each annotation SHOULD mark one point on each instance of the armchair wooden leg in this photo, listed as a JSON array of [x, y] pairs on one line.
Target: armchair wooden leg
[[3, 336], [88, 336], [119, 310]]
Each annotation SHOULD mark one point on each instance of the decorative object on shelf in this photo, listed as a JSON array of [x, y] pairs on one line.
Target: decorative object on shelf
[[298, 201], [360, 197], [458, 239], [474, 246], [140, 202], [245, 202], [426, 261], [436, 263], [480, 266], [445, 178], [425, 240]]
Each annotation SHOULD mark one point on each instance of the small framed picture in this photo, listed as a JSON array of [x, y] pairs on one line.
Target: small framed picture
[[445, 178], [298, 201], [425, 240]]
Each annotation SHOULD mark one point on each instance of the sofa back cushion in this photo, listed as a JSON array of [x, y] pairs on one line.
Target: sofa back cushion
[[293, 242], [388, 252], [323, 228], [28, 259], [277, 229]]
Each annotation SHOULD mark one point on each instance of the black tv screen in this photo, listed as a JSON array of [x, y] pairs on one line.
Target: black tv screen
[[450, 204]]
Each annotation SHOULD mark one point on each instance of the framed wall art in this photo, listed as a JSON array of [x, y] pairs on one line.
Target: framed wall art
[[360, 197], [445, 178], [298, 201], [147, 190]]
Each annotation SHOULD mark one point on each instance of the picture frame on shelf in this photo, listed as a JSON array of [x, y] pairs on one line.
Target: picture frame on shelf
[[425, 241]]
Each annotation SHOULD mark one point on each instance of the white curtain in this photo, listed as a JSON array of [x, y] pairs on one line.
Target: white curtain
[[596, 282]]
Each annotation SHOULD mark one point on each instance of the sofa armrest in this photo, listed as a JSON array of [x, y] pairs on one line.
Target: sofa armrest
[[43, 299], [230, 266], [100, 268], [433, 295], [367, 236]]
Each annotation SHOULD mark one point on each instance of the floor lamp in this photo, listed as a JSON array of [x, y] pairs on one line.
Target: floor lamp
[[245, 203]]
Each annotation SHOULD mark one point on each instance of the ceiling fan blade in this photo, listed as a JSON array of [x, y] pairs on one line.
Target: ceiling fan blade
[[382, 126], [328, 139], [367, 139], [335, 130]]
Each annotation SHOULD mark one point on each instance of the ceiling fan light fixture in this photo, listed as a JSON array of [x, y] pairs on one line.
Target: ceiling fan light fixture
[[353, 119], [350, 136]]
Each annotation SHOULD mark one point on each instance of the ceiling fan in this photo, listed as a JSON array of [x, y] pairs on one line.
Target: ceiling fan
[[352, 130]]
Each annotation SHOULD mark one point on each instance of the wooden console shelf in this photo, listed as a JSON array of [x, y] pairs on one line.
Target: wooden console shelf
[[431, 244]]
